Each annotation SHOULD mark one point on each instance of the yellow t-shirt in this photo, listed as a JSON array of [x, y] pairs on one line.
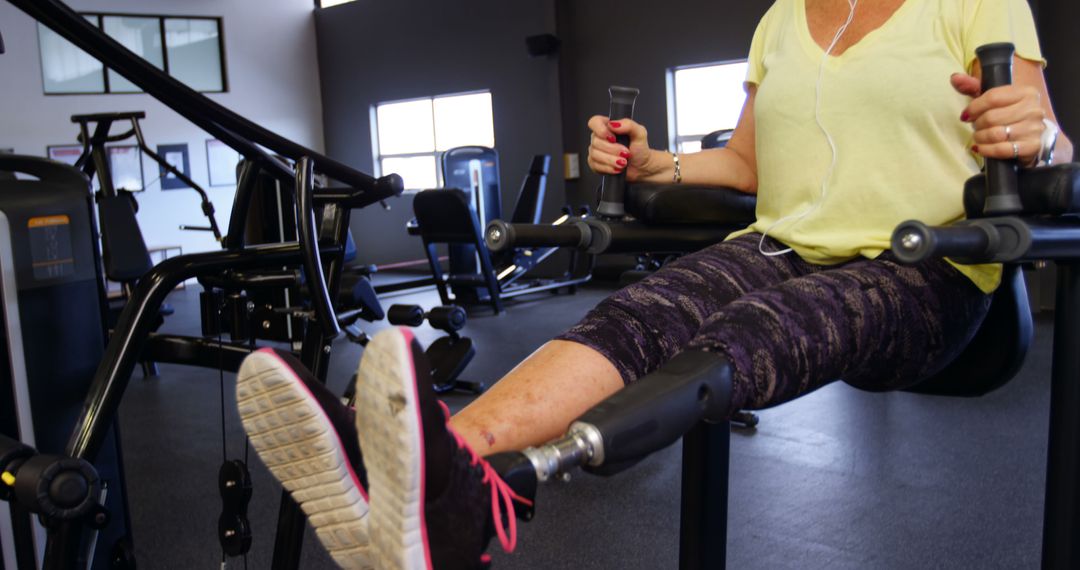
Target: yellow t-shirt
[[901, 150]]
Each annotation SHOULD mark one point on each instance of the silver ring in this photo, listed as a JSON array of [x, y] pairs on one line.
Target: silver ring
[[1016, 151], [1008, 132]]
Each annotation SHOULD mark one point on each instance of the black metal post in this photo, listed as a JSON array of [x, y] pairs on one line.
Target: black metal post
[[703, 528], [1061, 548]]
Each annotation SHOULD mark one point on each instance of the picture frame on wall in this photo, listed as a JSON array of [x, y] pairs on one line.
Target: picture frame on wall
[[125, 161], [66, 153], [177, 156], [221, 161]]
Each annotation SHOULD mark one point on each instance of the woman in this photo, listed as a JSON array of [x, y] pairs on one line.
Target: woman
[[858, 116]]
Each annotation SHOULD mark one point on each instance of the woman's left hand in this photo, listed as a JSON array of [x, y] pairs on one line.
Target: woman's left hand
[[1008, 120]]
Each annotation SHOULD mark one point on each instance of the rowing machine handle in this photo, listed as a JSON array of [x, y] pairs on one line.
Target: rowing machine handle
[[613, 186], [1002, 197]]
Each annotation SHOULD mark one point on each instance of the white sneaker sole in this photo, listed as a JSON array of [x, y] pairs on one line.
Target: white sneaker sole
[[295, 439], [391, 435]]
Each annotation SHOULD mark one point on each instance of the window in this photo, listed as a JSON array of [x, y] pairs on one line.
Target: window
[[703, 99], [410, 136], [188, 48]]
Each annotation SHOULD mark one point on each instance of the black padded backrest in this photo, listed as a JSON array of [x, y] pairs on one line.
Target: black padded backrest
[[123, 249], [444, 216], [1053, 190], [49, 171], [4, 175], [996, 352], [530, 200], [677, 204], [457, 174]]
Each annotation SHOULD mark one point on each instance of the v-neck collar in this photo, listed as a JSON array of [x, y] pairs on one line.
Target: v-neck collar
[[817, 52]]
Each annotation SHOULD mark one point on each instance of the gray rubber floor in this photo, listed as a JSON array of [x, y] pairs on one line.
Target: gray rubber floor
[[837, 479]]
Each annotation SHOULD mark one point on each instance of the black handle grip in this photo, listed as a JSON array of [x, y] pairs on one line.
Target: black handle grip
[[309, 248], [915, 242], [405, 315], [613, 187], [502, 236], [1002, 196]]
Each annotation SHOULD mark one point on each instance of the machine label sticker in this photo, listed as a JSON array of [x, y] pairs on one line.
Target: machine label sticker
[[50, 247]]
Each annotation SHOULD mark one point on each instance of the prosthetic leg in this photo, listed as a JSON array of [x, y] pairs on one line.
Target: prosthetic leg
[[646, 416], [689, 398]]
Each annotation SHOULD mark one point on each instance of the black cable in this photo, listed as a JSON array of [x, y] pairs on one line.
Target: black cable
[[221, 384], [221, 391]]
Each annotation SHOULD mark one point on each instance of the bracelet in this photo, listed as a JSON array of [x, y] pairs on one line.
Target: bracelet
[[678, 168], [1047, 142]]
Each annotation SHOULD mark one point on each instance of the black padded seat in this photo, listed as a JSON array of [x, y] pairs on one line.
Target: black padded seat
[[444, 216], [996, 352], [674, 204], [124, 252]]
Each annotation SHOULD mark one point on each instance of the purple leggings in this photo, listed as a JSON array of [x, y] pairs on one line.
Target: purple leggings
[[788, 326]]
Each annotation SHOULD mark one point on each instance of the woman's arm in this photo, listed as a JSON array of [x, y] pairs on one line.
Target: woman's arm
[[734, 166], [1021, 106]]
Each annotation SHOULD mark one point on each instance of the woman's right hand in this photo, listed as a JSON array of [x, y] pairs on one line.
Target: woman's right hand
[[609, 157]]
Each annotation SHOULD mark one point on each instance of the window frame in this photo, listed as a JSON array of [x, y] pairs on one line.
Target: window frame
[[674, 138], [161, 18], [436, 154], [319, 4]]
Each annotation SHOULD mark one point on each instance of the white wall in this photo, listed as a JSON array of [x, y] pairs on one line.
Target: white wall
[[273, 80]]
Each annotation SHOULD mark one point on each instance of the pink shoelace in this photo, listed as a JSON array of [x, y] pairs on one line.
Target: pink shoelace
[[500, 491]]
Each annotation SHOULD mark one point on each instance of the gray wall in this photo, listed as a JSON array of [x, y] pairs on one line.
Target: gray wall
[[371, 51], [273, 80]]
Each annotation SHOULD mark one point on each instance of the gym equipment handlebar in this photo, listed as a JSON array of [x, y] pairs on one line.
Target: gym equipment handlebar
[[613, 187], [503, 236], [987, 239], [1002, 196]]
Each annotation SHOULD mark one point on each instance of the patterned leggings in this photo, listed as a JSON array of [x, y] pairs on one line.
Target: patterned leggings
[[787, 326]]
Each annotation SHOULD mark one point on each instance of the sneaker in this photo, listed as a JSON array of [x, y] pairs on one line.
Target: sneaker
[[435, 502], [307, 438]]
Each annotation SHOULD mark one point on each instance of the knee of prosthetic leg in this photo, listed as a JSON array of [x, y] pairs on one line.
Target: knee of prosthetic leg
[[656, 410]]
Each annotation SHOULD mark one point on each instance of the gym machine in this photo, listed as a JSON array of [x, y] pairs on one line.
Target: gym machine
[[95, 159], [50, 271], [124, 253], [450, 354], [63, 487], [456, 216], [1013, 217]]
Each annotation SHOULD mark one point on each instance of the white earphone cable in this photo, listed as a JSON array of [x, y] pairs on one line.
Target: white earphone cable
[[832, 144]]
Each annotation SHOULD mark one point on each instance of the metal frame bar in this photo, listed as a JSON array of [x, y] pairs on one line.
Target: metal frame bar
[[1061, 549]]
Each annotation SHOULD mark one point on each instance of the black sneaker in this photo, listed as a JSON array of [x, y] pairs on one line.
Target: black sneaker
[[435, 503], [307, 438]]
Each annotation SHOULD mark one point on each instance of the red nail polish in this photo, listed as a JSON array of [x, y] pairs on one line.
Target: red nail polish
[[624, 154], [975, 148], [965, 116], [611, 139], [615, 124], [620, 162]]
